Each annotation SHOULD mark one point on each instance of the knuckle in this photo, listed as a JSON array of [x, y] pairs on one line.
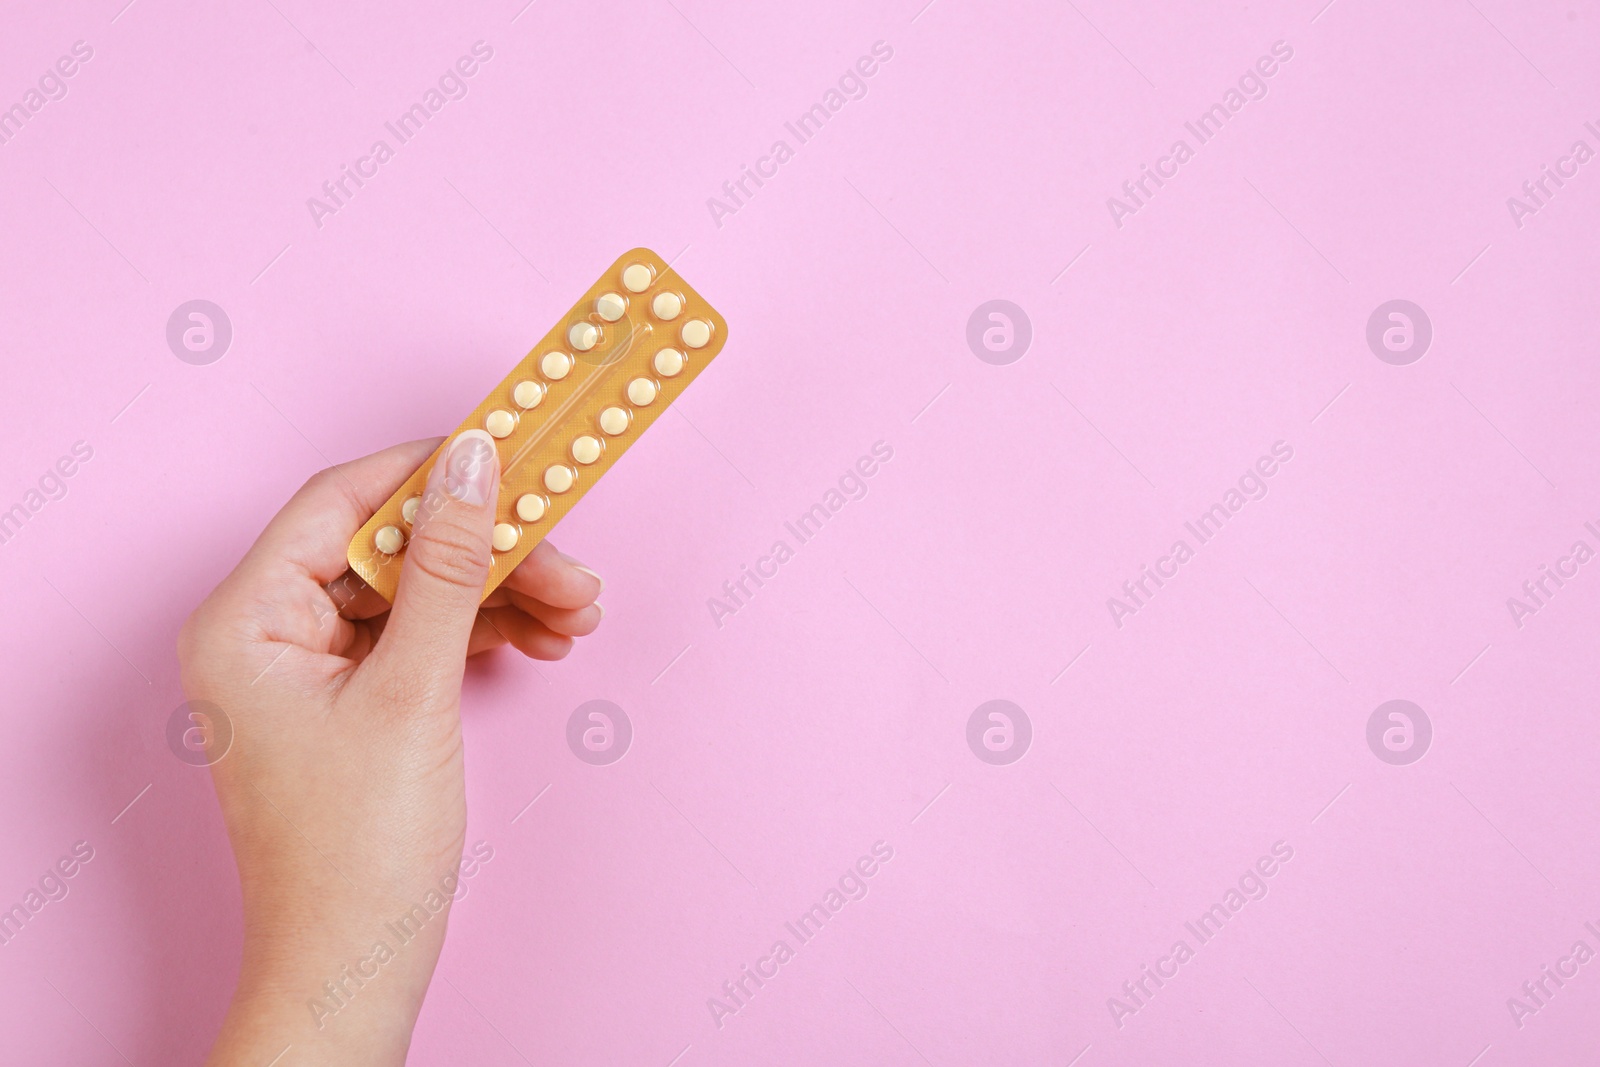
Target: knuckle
[[202, 651], [198, 636], [189, 637], [332, 482], [451, 554], [328, 476]]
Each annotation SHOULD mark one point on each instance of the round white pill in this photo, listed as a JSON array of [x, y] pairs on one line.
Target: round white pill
[[667, 305], [505, 536], [530, 507], [668, 362], [558, 479], [583, 335], [637, 277], [555, 365], [499, 423], [408, 510], [641, 391], [696, 332], [586, 449], [527, 394], [614, 420], [388, 540], [611, 306]]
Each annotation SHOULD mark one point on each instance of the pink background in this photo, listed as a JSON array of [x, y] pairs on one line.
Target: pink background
[[830, 712]]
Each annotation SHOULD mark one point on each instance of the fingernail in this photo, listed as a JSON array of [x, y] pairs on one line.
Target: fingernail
[[592, 574], [471, 468], [602, 608], [575, 565]]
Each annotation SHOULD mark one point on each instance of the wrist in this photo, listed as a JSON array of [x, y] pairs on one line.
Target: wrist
[[345, 992], [265, 1024]]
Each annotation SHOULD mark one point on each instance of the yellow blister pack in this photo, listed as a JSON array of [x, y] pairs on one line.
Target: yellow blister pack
[[567, 412]]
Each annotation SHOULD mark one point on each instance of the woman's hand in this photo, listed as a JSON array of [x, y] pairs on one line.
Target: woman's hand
[[342, 789]]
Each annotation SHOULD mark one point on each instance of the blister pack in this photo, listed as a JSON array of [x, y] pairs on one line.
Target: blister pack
[[567, 412]]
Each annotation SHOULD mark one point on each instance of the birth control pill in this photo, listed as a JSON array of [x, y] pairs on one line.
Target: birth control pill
[[586, 449], [667, 305], [583, 335], [505, 537], [668, 362], [530, 507], [555, 365], [527, 395], [611, 307], [696, 332], [558, 479], [637, 277], [614, 420], [641, 391], [500, 423], [408, 510], [389, 540]]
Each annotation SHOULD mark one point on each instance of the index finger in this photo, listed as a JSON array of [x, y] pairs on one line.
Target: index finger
[[312, 531], [552, 578]]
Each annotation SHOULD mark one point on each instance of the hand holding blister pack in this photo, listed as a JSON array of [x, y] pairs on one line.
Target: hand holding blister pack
[[345, 728], [565, 414]]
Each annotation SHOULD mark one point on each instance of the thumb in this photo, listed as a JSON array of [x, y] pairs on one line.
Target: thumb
[[446, 566]]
